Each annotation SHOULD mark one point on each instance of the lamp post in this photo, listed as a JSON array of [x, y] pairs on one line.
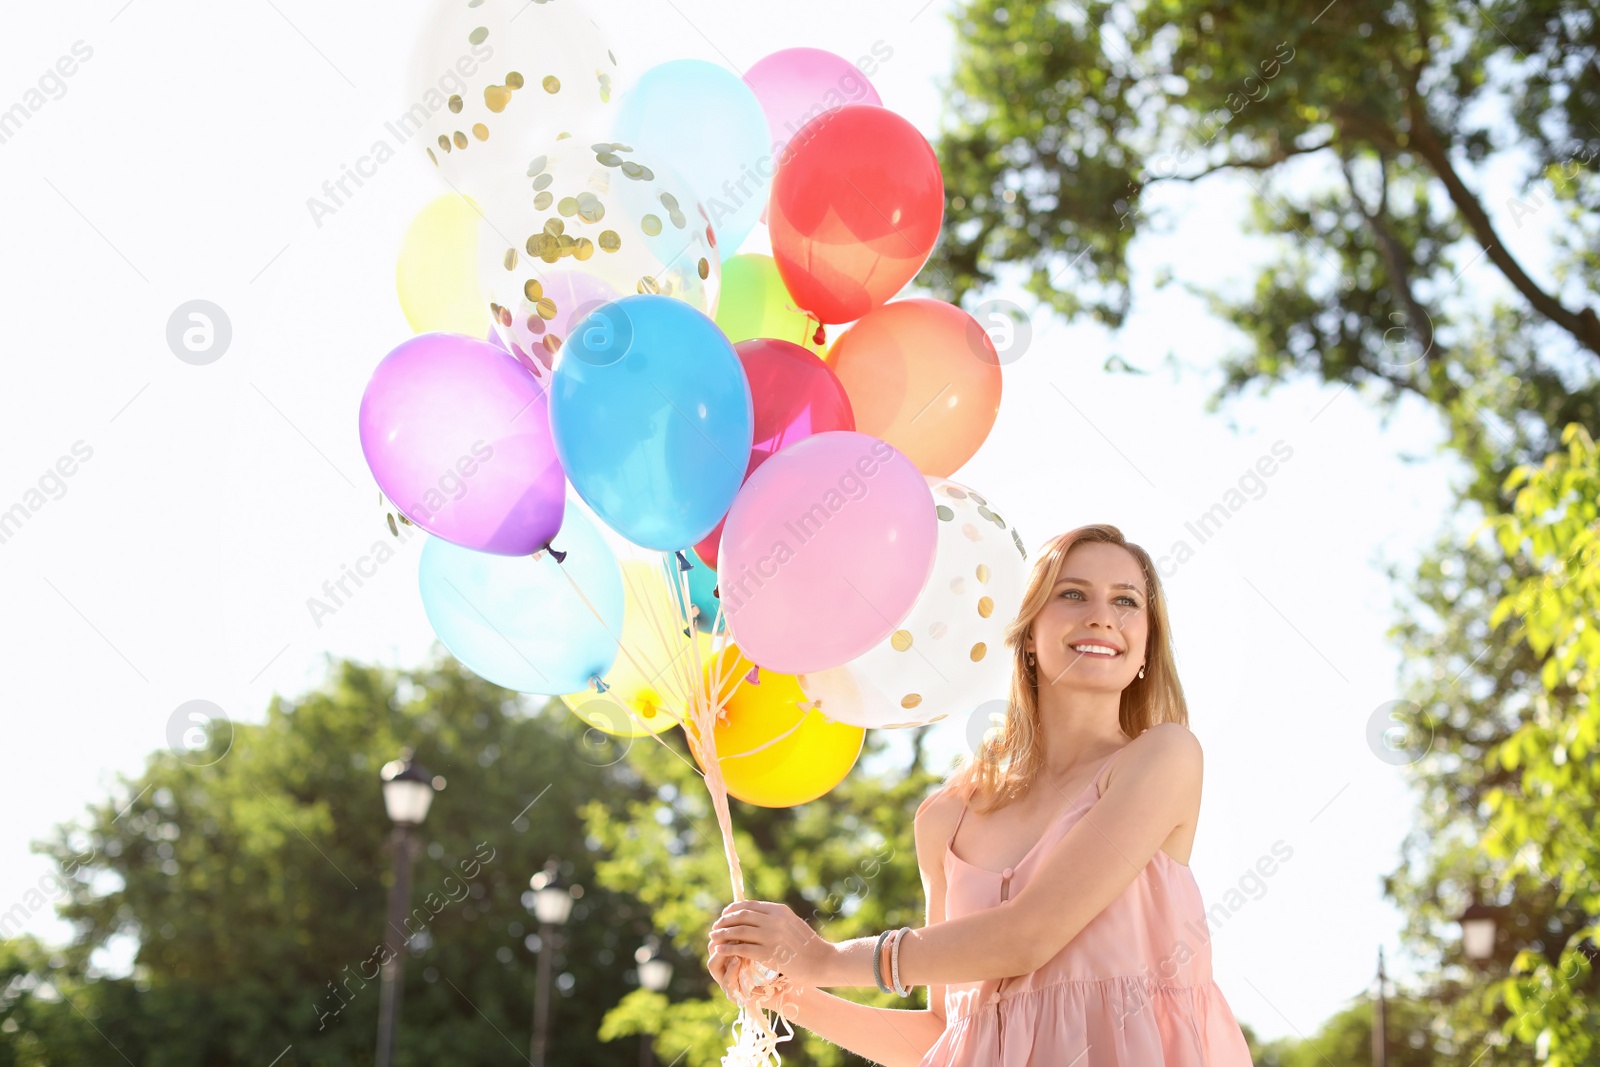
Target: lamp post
[[407, 793], [1477, 931], [1380, 1021], [654, 974], [552, 903]]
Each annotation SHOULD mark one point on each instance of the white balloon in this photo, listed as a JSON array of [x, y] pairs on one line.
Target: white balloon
[[584, 223], [492, 80], [949, 654]]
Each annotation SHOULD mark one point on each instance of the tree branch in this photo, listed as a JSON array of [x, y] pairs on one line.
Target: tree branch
[[1266, 162], [1393, 255], [1584, 324]]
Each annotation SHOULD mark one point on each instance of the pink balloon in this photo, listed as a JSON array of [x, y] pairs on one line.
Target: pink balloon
[[457, 435], [796, 85], [826, 548]]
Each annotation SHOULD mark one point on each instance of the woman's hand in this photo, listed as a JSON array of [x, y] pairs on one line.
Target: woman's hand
[[774, 936], [722, 961]]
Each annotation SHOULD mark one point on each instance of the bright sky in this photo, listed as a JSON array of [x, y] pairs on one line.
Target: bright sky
[[174, 164]]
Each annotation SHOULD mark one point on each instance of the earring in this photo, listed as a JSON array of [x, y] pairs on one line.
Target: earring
[[1030, 659], [1141, 670]]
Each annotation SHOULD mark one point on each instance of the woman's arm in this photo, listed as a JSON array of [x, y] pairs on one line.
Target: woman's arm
[[1151, 792], [1157, 790], [893, 1037]]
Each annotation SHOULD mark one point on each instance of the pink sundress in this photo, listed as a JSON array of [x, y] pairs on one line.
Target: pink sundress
[[1132, 989]]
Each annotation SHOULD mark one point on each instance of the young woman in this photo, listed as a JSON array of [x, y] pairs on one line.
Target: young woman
[[1064, 927]]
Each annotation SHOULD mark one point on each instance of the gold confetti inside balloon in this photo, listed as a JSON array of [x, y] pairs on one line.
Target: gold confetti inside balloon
[[491, 80], [949, 654], [586, 222]]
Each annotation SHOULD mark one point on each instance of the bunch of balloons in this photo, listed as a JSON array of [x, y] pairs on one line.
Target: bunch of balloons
[[600, 372]]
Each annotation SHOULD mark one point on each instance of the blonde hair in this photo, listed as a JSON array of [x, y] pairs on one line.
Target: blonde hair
[[1004, 766]]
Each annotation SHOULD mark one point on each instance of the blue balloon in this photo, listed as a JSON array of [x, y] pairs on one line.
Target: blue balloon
[[521, 622], [704, 122], [702, 592], [651, 416]]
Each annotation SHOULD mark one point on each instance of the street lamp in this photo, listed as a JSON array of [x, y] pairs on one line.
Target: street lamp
[[1477, 930], [654, 974], [407, 793], [1380, 1020], [552, 903]]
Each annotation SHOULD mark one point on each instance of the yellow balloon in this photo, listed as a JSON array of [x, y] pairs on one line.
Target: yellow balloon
[[754, 303], [647, 685], [437, 275], [775, 750]]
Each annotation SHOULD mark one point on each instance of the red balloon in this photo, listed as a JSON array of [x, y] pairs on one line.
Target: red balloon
[[794, 395], [856, 205]]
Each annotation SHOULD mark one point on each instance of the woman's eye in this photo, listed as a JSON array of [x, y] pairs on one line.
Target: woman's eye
[[1123, 599]]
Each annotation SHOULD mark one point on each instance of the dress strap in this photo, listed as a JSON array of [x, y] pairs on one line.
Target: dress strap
[[1094, 783], [950, 843]]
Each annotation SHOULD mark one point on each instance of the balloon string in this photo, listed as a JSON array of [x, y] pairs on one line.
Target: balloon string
[[636, 666], [755, 1042]]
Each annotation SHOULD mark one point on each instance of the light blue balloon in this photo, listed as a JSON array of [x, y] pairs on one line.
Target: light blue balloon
[[651, 416], [702, 592], [521, 622], [704, 122]]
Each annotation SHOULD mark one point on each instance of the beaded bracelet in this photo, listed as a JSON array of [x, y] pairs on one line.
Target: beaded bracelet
[[894, 963], [877, 968]]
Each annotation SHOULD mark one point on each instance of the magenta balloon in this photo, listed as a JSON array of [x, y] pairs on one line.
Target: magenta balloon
[[457, 435], [796, 85], [826, 548]]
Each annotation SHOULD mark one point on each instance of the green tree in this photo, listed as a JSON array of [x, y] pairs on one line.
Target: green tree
[[1543, 830], [256, 887], [847, 862], [1346, 1038], [1366, 129], [1360, 126]]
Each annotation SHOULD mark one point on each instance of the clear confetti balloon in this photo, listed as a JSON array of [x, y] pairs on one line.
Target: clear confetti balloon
[[586, 222], [492, 80], [949, 653]]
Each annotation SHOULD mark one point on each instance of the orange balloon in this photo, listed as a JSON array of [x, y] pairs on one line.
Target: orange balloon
[[922, 375], [775, 750]]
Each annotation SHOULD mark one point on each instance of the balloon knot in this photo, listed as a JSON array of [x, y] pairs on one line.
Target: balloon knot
[[754, 677], [821, 336], [716, 591], [683, 561], [561, 557], [599, 683]]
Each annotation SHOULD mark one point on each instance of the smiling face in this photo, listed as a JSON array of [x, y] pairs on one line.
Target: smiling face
[[1092, 631]]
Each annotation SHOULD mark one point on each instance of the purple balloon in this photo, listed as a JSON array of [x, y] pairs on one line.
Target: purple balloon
[[796, 85], [457, 435]]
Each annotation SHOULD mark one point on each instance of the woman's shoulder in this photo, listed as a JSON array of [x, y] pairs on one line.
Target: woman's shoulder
[[936, 816], [1167, 752]]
